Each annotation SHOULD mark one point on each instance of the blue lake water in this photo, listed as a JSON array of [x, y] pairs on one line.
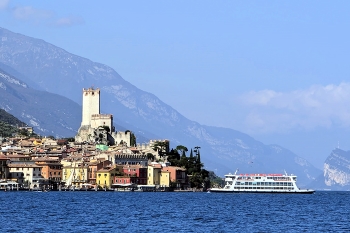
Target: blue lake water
[[173, 212]]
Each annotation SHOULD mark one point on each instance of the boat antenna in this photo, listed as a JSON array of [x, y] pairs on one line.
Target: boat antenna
[[236, 171], [285, 172]]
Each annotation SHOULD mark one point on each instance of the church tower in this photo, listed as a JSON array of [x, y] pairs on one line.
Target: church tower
[[91, 105]]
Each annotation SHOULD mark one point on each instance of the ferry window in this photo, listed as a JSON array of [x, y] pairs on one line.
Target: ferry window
[[250, 183], [258, 183], [285, 184]]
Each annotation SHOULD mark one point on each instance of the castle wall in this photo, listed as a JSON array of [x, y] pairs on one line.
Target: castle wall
[[102, 120], [122, 136]]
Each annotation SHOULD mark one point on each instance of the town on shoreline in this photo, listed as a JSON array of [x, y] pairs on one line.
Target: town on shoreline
[[97, 158], [42, 164]]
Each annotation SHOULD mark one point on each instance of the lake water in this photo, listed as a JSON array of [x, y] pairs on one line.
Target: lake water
[[173, 212]]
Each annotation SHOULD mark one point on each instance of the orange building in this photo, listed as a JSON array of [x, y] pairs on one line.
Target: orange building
[[177, 175], [51, 169]]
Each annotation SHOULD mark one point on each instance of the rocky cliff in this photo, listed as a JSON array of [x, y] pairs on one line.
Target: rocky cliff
[[337, 170]]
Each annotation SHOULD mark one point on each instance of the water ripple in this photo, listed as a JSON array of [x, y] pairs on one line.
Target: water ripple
[[173, 212]]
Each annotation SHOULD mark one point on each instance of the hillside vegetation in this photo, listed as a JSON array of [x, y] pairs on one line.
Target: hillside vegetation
[[8, 124]]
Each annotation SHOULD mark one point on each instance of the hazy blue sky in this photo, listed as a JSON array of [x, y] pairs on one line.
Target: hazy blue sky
[[277, 70]]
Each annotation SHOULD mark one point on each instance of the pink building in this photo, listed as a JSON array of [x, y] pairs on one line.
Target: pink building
[[138, 173], [177, 175]]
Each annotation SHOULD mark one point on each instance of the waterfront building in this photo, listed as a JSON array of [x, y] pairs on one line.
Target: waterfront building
[[51, 169], [154, 171], [177, 175], [26, 174], [4, 169], [75, 174], [165, 179], [95, 166], [137, 172], [106, 176]]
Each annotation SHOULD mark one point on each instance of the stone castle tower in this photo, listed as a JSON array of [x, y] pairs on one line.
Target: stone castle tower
[[93, 122], [92, 119], [91, 105]]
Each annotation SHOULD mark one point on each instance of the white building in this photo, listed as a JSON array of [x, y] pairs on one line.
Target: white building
[[26, 174]]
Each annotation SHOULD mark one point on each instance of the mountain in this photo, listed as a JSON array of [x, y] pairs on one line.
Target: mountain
[[49, 114], [10, 119], [337, 170], [57, 71], [8, 124]]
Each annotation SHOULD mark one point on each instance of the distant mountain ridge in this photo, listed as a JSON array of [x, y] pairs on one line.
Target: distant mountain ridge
[[49, 113], [57, 71]]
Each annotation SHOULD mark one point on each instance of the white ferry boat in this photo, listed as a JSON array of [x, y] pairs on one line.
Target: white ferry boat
[[261, 183]]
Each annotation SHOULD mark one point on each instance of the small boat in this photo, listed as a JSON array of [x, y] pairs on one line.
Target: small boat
[[261, 183]]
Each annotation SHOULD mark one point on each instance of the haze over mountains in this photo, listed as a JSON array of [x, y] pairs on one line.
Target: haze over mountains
[[42, 84]]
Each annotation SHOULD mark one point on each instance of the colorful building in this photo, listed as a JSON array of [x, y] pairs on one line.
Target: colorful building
[[106, 176], [154, 171]]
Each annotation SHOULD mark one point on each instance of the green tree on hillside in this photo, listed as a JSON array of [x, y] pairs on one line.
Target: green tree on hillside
[[198, 177]]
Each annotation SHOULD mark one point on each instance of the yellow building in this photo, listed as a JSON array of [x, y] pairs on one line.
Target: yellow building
[[105, 176], [165, 179], [75, 174], [154, 171]]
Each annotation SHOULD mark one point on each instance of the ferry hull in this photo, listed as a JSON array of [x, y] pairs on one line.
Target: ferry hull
[[263, 192]]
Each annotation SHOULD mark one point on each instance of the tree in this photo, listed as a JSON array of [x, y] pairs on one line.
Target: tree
[[106, 128], [162, 147], [181, 148], [23, 132], [132, 139], [215, 181], [150, 156], [174, 158]]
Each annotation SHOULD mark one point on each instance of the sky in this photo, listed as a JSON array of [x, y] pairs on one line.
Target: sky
[[276, 70]]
